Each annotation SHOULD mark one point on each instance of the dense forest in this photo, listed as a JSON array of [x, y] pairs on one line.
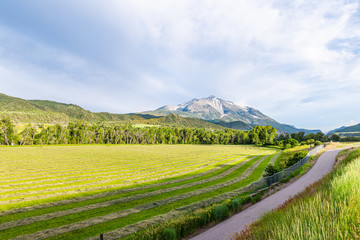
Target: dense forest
[[80, 132]]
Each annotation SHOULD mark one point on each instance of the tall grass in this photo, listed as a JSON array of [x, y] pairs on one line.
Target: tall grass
[[330, 209]]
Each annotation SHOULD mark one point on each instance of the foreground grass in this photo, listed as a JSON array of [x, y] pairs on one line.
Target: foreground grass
[[329, 209]]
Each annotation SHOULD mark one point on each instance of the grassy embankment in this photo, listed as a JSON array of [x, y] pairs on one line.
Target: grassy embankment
[[329, 209], [50, 173]]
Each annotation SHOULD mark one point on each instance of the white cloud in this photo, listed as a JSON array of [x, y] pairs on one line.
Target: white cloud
[[294, 60]]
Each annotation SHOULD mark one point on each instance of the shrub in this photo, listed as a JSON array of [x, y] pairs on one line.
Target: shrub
[[293, 142], [270, 170], [236, 205], [221, 212], [288, 145], [169, 234], [296, 157], [256, 198], [203, 219], [317, 143]]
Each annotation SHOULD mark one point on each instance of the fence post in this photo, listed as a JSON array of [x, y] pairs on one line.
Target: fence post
[[101, 236]]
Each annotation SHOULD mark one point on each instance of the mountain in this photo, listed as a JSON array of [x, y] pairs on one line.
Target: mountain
[[351, 131], [213, 108], [335, 130], [44, 111], [224, 113], [211, 112]]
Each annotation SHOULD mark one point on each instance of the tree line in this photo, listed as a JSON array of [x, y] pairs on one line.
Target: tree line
[[290, 140], [85, 133]]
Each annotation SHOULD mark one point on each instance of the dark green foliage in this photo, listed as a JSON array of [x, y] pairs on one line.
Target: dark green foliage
[[335, 138], [169, 234], [270, 170], [261, 135], [296, 157], [7, 135], [236, 205], [256, 198], [292, 142], [221, 212], [80, 132], [285, 138]]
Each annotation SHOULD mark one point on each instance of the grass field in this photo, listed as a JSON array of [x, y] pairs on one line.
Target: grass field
[[329, 209], [77, 192]]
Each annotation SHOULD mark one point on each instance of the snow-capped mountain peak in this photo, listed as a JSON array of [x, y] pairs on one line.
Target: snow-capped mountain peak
[[212, 107]]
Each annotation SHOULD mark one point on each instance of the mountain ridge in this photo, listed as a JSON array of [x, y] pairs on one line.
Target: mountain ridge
[[45, 111], [210, 112], [224, 113], [346, 131]]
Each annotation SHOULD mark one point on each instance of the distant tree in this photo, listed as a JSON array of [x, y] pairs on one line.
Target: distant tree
[[27, 135], [310, 141], [7, 135], [335, 138], [293, 142]]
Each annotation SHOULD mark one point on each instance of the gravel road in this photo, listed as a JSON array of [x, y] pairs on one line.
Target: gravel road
[[239, 221]]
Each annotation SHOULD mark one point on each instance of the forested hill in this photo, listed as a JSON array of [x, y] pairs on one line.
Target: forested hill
[[350, 131], [42, 111]]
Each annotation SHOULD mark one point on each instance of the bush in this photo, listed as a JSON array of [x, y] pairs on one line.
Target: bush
[[221, 212], [296, 157], [256, 198], [169, 234], [292, 142], [317, 143], [270, 170], [236, 205], [202, 220]]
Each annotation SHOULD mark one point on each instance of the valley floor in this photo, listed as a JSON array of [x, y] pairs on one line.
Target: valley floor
[[80, 191]]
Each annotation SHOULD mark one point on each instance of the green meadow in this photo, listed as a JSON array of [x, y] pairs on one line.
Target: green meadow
[[80, 191]]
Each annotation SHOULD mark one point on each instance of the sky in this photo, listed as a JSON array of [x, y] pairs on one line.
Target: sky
[[296, 61]]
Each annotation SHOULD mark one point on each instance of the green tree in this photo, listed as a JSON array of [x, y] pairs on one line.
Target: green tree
[[7, 135]]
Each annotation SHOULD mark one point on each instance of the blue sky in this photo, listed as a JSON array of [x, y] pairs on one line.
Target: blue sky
[[296, 61]]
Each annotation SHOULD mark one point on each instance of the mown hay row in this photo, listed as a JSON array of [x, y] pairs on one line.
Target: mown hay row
[[30, 220], [272, 161], [109, 181], [130, 229], [115, 215], [84, 173], [109, 193]]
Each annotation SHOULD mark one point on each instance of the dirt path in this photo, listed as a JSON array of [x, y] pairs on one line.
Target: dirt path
[[239, 221]]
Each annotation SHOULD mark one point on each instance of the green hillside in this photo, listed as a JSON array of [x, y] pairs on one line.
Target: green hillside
[[50, 112], [174, 120], [351, 131], [12, 104], [238, 125], [355, 128]]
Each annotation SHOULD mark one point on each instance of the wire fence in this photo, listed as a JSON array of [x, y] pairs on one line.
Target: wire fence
[[277, 177]]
